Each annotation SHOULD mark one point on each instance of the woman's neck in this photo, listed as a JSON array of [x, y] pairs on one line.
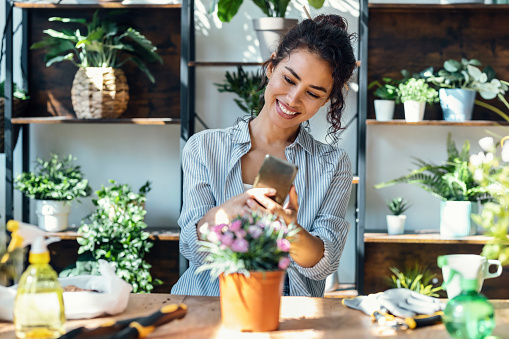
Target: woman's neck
[[263, 130]]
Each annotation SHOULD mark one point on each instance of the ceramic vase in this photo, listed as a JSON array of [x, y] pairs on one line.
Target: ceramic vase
[[384, 110], [53, 215], [396, 224], [455, 218], [457, 104], [414, 110], [269, 31], [251, 304]]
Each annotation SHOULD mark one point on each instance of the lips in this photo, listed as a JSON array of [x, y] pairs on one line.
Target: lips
[[285, 111]]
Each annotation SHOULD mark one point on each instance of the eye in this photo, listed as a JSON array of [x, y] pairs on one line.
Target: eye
[[288, 80], [313, 95]]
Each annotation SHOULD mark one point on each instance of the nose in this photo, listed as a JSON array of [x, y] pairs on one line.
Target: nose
[[294, 96]]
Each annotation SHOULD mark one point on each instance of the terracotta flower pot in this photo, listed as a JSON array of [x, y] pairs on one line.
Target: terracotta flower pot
[[251, 304]]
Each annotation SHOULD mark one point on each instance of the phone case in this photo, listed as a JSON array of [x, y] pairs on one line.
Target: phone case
[[276, 173]]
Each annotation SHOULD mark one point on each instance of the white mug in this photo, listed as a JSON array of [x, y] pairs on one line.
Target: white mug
[[469, 266]]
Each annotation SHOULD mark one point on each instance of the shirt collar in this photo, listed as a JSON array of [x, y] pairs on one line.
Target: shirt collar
[[241, 136]]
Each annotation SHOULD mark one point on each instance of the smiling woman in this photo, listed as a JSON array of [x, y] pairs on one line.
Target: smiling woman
[[308, 70]]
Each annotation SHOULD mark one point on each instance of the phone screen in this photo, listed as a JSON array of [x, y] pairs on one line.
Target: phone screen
[[276, 173]]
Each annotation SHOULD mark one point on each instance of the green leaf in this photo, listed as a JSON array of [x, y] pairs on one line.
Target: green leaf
[[226, 9]]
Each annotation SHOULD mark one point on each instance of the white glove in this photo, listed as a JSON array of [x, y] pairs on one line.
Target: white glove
[[403, 302]]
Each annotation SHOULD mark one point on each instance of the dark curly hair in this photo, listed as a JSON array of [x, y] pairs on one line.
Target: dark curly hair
[[328, 37]]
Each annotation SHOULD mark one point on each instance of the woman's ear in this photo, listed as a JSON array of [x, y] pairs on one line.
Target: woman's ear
[[270, 67]]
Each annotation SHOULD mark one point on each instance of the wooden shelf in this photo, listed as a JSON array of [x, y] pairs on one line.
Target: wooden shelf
[[67, 120], [437, 123], [90, 4], [155, 234], [222, 64], [424, 238]]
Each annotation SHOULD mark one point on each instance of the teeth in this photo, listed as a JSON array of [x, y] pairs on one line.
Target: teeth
[[285, 110]]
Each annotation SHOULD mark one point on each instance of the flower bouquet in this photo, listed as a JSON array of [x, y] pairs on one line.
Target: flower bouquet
[[249, 255]]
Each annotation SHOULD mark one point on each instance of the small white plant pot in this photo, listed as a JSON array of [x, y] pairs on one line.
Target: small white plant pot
[[396, 224], [384, 109], [53, 216], [414, 110]]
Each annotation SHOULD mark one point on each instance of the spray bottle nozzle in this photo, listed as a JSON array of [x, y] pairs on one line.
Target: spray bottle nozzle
[[23, 234]]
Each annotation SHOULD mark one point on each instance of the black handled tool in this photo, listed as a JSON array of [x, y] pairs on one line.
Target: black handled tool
[[130, 328]]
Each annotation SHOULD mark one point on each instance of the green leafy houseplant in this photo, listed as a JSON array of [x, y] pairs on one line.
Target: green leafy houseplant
[[227, 9], [56, 178], [417, 90], [398, 205], [466, 74], [491, 171], [103, 44], [386, 90], [18, 93], [114, 232], [251, 242], [449, 181], [246, 86], [418, 279]]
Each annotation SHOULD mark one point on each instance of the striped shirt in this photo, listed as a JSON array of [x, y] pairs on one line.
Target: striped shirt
[[212, 175]]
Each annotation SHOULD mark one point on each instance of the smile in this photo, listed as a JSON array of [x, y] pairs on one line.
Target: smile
[[285, 110]]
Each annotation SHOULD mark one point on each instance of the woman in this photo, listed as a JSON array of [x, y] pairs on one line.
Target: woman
[[310, 69]]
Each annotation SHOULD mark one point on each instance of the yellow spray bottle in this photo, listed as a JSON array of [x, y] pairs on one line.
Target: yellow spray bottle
[[39, 305]]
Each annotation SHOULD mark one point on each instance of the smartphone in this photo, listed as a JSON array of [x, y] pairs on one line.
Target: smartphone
[[276, 173]]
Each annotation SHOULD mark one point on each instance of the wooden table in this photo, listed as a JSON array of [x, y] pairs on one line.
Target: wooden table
[[301, 317]]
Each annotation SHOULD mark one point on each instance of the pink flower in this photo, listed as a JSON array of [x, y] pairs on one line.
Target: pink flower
[[236, 225], [227, 239], [283, 245], [284, 262], [255, 231], [219, 228], [241, 233], [240, 245]]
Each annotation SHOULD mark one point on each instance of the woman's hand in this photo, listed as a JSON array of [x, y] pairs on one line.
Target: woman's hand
[[223, 213], [288, 212]]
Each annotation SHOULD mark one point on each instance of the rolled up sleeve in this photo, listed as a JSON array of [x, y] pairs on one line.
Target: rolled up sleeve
[[198, 200], [330, 224]]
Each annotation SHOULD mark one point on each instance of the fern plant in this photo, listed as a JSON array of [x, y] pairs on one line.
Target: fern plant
[[450, 181], [417, 278]]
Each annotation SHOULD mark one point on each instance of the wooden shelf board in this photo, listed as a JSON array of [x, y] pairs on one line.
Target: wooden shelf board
[[90, 4], [221, 64], [425, 238], [425, 7], [437, 123], [155, 234], [67, 120]]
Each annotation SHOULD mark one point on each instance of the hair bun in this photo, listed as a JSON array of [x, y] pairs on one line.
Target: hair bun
[[332, 19]]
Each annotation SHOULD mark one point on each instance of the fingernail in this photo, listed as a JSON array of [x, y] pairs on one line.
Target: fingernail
[[272, 191], [249, 202]]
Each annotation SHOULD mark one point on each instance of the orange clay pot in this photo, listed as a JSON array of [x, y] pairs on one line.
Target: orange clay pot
[[251, 304]]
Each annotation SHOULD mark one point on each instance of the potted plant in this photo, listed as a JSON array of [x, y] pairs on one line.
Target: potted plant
[[247, 87], [269, 29], [417, 278], [396, 221], [250, 256], [115, 232], [459, 83], [99, 89], [414, 94], [53, 183], [19, 105], [453, 183], [491, 171], [387, 92]]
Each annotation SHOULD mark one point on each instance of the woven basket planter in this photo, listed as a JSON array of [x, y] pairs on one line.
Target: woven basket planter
[[18, 110], [99, 93]]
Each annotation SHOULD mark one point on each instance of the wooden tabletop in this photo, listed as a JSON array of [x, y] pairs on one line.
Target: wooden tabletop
[[301, 317]]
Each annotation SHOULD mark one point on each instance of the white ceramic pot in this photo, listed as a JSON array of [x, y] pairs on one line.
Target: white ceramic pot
[[414, 110], [396, 224], [53, 216], [269, 31], [455, 218], [384, 109], [457, 104]]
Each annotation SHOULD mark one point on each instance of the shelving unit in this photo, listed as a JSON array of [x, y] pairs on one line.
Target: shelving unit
[[413, 37]]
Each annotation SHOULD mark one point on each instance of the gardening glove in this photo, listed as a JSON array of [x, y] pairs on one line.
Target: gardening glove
[[365, 303], [403, 302]]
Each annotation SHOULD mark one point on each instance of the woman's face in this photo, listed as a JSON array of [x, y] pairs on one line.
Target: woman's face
[[297, 88]]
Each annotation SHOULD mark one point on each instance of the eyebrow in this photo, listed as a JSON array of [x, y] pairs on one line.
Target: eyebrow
[[298, 78]]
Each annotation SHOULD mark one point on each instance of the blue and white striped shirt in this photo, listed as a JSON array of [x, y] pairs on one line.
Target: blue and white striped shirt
[[212, 175]]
